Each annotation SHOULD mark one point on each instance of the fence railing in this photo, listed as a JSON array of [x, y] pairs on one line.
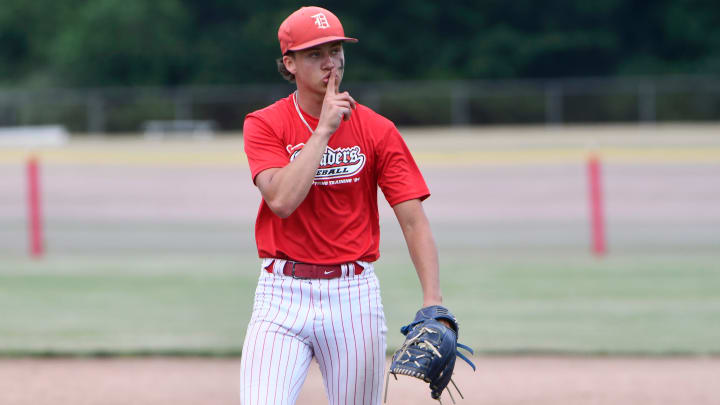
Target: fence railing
[[581, 100]]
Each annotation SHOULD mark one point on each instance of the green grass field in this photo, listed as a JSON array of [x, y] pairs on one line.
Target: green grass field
[[630, 304], [651, 296]]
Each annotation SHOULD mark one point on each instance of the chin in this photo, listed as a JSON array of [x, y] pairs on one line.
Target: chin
[[322, 88]]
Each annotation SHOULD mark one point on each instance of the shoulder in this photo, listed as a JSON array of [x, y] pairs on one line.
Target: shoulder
[[271, 121], [378, 128], [370, 117]]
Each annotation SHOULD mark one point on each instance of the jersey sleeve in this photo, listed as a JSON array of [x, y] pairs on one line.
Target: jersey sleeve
[[263, 146], [398, 175]]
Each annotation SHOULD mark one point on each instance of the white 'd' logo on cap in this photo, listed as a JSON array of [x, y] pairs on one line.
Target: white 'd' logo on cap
[[321, 21]]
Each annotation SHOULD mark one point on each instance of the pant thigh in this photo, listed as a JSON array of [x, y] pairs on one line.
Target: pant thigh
[[275, 358], [350, 343]]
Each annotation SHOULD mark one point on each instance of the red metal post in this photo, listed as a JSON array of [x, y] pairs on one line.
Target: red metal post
[[35, 226], [597, 216]]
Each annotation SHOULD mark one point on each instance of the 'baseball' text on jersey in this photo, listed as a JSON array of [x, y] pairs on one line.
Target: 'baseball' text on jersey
[[335, 163]]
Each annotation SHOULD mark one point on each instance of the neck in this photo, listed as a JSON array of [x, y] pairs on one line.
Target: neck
[[310, 102]]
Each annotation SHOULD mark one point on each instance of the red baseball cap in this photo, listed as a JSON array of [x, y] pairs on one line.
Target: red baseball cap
[[308, 27]]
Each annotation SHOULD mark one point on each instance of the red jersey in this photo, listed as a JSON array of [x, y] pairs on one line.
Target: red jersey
[[338, 221]]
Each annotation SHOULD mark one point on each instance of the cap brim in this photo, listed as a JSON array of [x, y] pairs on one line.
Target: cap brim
[[320, 41]]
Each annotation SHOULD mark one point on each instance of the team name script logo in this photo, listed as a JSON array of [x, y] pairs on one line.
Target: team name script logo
[[335, 163]]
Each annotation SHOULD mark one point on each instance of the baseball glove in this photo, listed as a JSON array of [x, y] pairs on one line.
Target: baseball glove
[[429, 351]]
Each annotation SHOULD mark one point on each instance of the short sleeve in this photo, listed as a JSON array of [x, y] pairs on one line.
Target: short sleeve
[[398, 175], [263, 146]]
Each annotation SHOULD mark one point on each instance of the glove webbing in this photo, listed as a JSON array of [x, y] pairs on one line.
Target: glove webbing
[[421, 376]]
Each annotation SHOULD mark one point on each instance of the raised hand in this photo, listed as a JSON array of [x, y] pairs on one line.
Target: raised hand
[[336, 106]]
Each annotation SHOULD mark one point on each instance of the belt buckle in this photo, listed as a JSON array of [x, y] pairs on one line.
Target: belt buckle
[[297, 277]]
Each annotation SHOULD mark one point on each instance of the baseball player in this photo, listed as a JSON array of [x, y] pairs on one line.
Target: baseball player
[[318, 157]]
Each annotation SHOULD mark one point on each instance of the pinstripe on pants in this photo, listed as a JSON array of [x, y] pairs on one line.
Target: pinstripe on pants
[[339, 321]]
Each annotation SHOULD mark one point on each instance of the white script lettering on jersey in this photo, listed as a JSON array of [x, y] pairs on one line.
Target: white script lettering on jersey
[[335, 163]]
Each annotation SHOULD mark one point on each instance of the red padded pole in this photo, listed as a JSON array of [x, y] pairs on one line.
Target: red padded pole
[[597, 215], [35, 226]]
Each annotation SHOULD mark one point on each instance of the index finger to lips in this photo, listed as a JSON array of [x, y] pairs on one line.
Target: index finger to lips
[[331, 85]]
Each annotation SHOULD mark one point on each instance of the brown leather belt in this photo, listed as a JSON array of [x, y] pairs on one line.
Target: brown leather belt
[[309, 271]]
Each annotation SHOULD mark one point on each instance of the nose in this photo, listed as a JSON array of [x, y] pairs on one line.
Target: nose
[[328, 62]]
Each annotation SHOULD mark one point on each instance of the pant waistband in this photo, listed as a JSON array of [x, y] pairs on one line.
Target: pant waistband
[[303, 271]]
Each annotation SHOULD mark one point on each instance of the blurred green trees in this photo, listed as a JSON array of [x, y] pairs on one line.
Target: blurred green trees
[[179, 42]]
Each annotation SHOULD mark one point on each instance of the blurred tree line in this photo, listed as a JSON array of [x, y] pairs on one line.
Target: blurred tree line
[[59, 43]]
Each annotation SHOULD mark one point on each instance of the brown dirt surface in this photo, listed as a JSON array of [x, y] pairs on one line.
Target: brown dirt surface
[[499, 380]]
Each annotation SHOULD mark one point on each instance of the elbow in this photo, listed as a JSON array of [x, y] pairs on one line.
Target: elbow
[[283, 213], [281, 208]]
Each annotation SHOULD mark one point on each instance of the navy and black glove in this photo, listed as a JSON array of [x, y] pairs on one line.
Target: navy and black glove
[[430, 350]]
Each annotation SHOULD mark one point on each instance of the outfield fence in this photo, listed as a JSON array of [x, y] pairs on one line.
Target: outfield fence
[[416, 103]]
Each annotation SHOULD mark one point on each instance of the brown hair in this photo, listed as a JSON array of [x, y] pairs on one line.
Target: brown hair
[[283, 70]]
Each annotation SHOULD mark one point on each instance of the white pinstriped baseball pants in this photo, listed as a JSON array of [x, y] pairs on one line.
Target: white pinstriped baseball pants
[[339, 321]]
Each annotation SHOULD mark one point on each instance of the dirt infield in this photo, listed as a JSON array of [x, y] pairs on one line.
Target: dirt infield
[[499, 380]]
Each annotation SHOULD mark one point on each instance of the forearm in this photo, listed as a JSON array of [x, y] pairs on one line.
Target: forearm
[[285, 189], [423, 251], [288, 186]]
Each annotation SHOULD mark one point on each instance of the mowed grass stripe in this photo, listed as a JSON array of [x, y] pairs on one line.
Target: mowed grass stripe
[[217, 157], [652, 305]]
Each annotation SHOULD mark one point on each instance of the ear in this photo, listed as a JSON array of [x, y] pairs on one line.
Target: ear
[[289, 62]]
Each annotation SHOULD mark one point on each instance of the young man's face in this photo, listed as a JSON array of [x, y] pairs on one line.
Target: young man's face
[[312, 66]]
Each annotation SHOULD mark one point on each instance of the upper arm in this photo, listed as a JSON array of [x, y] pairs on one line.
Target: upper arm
[[409, 213], [399, 177], [263, 146]]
